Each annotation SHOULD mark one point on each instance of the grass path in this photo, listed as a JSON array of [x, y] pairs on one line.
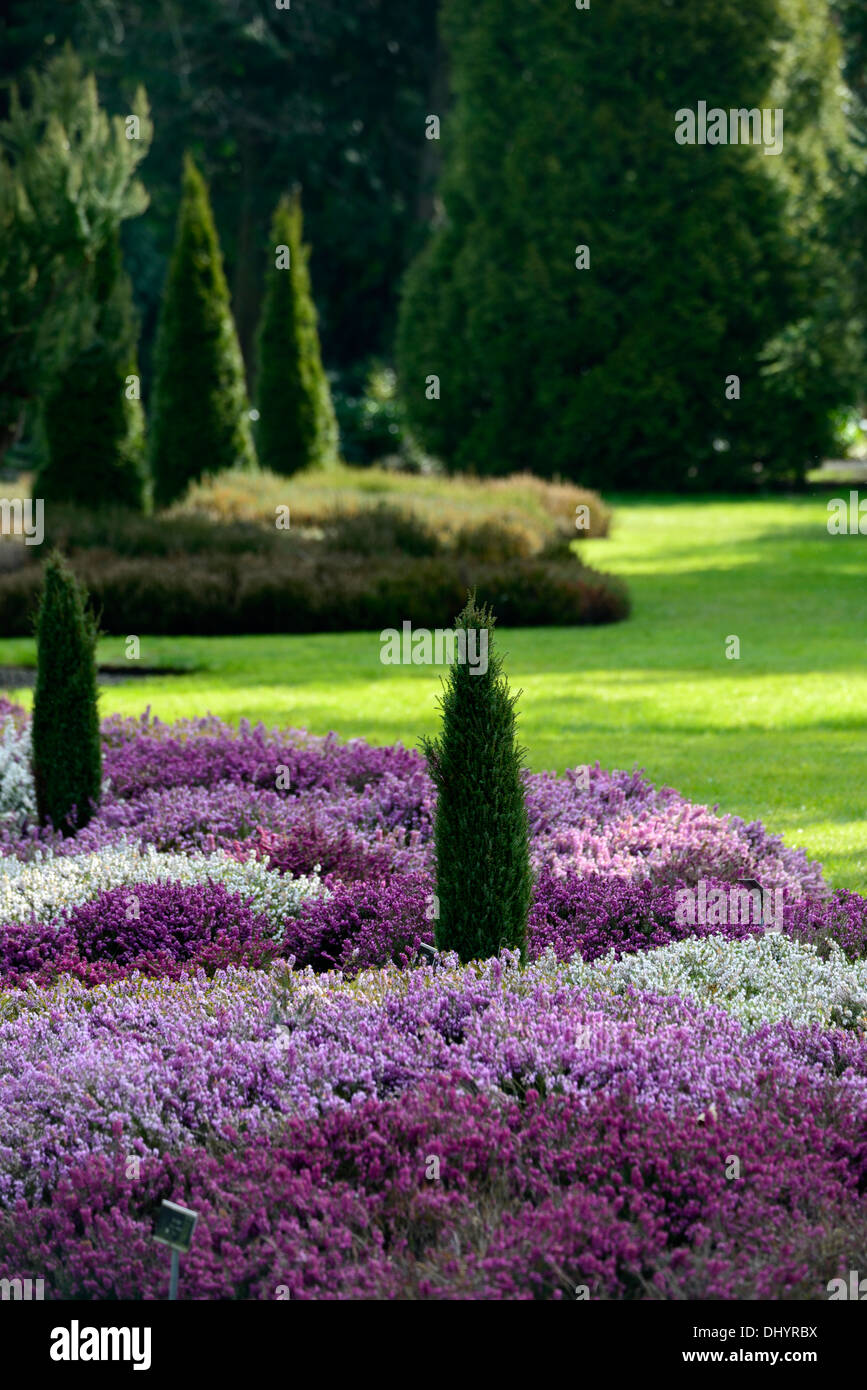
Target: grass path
[[779, 735]]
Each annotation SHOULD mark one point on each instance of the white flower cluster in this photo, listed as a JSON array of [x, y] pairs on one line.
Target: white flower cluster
[[44, 887], [17, 793], [759, 980]]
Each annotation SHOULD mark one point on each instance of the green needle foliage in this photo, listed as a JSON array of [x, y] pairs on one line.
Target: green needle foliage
[[200, 415], [67, 755], [67, 182], [481, 834], [603, 281], [93, 420], [297, 426]]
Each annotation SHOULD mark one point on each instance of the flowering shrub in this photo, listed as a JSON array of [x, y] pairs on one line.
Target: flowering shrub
[[17, 792], [529, 1202], [219, 977], [199, 785], [152, 1064], [152, 928], [840, 919], [337, 854], [42, 888], [594, 914], [763, 980], [362, 925]]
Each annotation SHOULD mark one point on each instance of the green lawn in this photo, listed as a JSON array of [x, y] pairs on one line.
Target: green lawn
[[779, 735]]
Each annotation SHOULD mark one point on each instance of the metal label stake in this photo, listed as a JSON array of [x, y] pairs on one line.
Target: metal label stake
[[174, 1227]]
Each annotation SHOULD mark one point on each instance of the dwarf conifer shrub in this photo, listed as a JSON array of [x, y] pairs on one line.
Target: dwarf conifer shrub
[[481, 836], [200, 413], [297, 425], [67, 755]]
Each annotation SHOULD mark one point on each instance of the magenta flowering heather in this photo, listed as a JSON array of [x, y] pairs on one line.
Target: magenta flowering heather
[[154, 928], [339, 853], [153, 1064], [200, 784], [260, 1070], [362, 924], [593, 914], [529, 1202], [622, 825], [840, 918]]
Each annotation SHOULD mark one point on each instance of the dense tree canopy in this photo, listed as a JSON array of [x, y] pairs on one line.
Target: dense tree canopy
[[701, 263], [328, 95]]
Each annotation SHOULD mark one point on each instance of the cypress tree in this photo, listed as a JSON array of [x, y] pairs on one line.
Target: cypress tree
[[67, 755], [603, 280], [93, 421], [297, 426], [199, 416], [481, 833]]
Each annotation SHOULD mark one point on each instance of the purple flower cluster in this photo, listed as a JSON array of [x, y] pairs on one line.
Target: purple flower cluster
[[146, 1066], [362, 924], [593, 915], [492, 1131], [341, 855], [157, 929], [382, 921], [446, 1195], [358, 924], [202, 785], [841, 918]]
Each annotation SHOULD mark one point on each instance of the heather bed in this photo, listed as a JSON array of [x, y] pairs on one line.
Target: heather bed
[[212, 993]]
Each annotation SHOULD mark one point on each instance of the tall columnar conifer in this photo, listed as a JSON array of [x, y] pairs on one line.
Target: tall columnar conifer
[[590, 283], [200, 414], [92, 416], [67, 755], [481, 835], [297, 426]]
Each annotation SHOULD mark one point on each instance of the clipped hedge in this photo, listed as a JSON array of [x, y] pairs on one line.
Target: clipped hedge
[[395, 527], [224, 595]]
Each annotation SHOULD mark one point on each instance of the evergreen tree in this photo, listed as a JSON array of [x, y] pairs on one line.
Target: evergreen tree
[[67, 755], [481, 834], [297, 426], [703, 261], [93, 419], [67, 182], [199, 410], [850, 224]]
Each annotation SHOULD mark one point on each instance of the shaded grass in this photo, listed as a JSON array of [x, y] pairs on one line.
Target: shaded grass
[[779, 735]]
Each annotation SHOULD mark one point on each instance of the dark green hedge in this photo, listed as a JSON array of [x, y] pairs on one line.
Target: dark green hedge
[[301, 593]]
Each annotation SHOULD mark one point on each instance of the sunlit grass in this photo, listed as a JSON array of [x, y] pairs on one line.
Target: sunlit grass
[[778, 735]]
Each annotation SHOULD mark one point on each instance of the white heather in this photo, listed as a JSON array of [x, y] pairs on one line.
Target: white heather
[[759, 980], [17, 794], [43, 888]]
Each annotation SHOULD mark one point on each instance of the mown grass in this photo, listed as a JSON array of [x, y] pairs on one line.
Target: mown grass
[[779, 735]]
